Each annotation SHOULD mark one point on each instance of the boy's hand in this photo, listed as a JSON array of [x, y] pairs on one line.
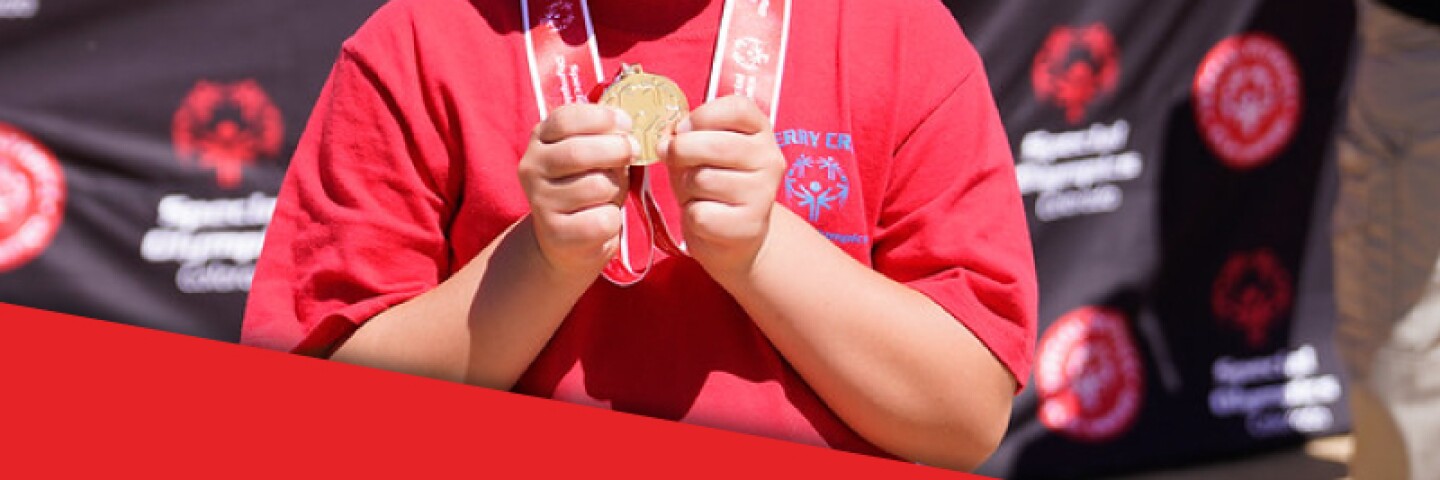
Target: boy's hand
[[725, 169], [575, 177]]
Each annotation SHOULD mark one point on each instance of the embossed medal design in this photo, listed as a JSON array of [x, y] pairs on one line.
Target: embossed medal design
[[655, 104]]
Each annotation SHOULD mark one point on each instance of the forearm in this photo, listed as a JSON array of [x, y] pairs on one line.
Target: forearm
[[889, 361], [484, 325]]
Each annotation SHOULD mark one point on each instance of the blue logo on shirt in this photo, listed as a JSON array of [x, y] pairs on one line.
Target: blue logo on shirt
[[816, 184]]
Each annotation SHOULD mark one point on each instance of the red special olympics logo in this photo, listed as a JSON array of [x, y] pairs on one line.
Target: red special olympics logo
[[1075, 65], [1250, 293], [1088, 375], [227, 126], [32, 197], [1247, 99]]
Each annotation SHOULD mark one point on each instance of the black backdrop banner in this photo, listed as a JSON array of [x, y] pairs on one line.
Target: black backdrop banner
[[173, 121], [1176, 163], [1174, 157]]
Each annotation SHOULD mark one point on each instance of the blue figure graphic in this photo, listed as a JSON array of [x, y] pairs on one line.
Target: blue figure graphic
[[817, 193], [831, 168], [797, 169]]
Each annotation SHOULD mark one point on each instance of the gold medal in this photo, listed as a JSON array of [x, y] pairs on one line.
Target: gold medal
[[655, 104]]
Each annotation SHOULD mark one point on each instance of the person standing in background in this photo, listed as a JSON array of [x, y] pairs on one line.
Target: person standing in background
[[1387, 242]]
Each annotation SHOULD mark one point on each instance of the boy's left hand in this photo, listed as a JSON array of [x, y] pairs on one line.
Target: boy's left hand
[[725, 170]]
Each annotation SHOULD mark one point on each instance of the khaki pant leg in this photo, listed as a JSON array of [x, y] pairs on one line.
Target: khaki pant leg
[[1387, 242]]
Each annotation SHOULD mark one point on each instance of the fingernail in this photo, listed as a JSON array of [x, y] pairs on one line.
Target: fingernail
[[684, 126], [622, 120]]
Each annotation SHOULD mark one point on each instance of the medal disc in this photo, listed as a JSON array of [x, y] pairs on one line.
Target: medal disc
[[655, 104]]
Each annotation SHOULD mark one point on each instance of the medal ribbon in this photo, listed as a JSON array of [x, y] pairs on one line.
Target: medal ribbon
[[565, 68]]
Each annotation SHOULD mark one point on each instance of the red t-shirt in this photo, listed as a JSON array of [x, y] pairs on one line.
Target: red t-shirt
[[407, 170]]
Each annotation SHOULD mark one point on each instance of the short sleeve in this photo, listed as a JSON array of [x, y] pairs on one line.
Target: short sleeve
[[952, 224], [360, 222]]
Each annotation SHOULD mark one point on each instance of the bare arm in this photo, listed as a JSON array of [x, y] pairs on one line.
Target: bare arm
[[894, 365], [486, 324]]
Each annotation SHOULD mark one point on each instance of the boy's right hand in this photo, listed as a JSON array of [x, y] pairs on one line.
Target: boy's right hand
[[575, 176]]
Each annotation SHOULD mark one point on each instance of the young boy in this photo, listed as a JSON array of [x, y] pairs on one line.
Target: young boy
[[857, 276]]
